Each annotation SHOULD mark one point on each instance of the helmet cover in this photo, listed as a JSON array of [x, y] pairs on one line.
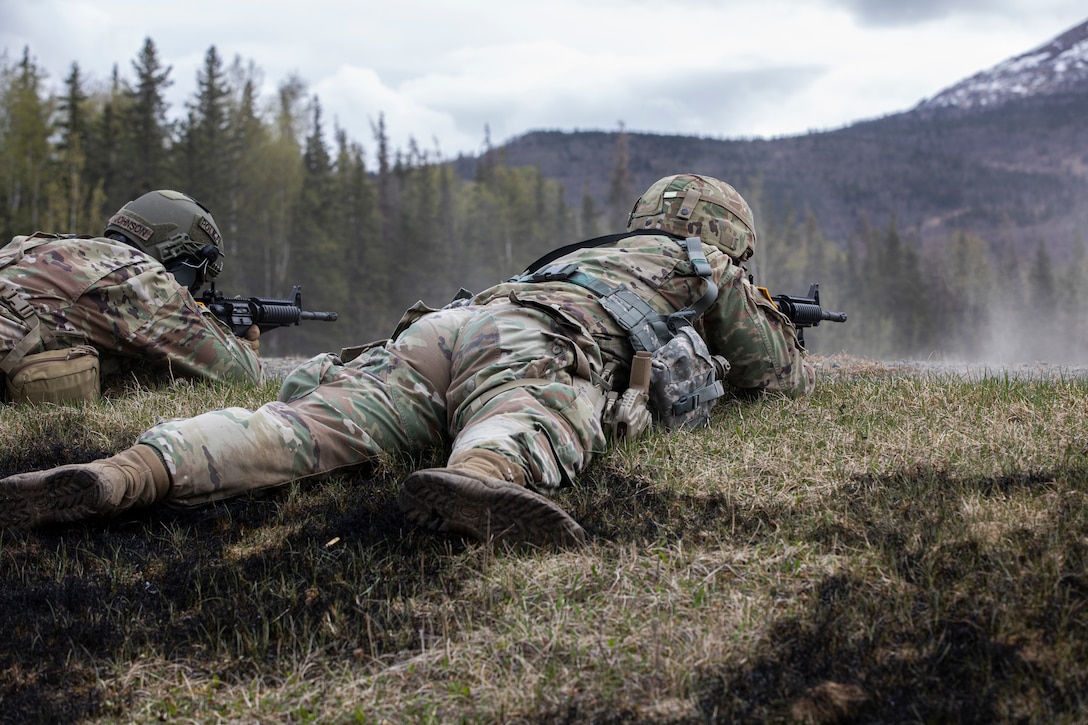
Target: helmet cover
[[688, 205]]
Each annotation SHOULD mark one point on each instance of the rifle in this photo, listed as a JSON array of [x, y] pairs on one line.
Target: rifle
[[267, 313], [804, 311]]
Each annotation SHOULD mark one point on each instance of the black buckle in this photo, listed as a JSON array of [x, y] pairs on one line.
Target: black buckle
[[554, 273]]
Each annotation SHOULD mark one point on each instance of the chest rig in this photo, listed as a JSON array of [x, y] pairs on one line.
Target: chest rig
[[664, 349]]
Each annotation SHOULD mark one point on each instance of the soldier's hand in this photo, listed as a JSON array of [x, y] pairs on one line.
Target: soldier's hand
[[252, 339]]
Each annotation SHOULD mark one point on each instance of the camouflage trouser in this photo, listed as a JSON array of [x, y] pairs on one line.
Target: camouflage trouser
[[448, 379]]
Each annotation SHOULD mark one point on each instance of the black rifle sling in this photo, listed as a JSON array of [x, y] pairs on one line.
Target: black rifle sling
[[595, 242]]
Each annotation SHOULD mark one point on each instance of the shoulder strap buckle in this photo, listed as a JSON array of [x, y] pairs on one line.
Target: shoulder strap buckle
[[10, 297], [554, 273]]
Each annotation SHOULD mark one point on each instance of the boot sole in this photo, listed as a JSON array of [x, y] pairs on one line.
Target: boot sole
[[61, 496], [443, 500]]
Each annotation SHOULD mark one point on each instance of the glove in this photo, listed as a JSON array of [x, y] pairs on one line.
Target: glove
[[252, 339]]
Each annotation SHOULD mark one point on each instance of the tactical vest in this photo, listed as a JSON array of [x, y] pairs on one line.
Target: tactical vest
[[677, 402]]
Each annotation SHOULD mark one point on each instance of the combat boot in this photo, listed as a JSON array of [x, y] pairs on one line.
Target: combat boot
[[488, 464], [483, 496], [107, 487]]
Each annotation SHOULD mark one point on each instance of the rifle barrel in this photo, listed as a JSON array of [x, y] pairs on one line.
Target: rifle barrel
[[319, 316]]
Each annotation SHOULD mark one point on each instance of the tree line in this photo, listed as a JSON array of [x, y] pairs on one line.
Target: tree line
[[365, 237], [965, 300], [367, 234]]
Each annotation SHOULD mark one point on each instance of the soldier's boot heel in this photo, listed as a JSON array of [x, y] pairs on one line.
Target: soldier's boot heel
[[486, 509]]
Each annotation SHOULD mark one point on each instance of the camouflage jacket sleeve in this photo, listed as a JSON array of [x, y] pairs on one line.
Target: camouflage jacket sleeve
[[759, 341], [127, 305], [156, 319]]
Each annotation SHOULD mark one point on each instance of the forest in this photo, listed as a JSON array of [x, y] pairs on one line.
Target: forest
[[368, 230]]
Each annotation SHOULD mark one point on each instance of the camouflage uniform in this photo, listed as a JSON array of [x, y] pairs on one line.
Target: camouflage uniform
[[510, 373], [123, 302]]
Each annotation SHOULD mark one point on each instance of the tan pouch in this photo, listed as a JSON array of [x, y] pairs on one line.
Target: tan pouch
[[56, 376]]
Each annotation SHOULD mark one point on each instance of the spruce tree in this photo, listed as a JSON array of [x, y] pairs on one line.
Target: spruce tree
[[319, 247], [590, 222], [243, 213], [148, 135], [74, 183], [105, 154], [621, 194], [1041, 320], [366, 314], [25, 128], [205, 137]]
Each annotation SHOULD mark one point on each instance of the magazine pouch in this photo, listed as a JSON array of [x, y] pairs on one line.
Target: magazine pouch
[[683, 384], [55, 376]]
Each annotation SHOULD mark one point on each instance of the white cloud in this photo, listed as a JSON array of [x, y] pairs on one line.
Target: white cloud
[[443, 71], [356, 97]]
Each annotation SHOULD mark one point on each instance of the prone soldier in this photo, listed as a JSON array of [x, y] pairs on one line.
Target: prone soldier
[[77, 309], [514, 381]]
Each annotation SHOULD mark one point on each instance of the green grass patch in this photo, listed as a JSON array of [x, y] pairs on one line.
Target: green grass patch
[[894, 548]]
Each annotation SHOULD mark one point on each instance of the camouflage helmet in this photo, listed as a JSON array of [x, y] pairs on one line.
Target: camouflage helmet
[[175, 229], [688, 205]]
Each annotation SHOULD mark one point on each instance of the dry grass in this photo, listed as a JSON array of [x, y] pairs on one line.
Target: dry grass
[[895, 548]]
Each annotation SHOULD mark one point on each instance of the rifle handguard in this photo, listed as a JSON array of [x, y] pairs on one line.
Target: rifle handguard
[[268, 313]]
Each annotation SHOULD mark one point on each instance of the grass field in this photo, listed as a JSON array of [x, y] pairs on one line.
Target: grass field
[[898, 547]]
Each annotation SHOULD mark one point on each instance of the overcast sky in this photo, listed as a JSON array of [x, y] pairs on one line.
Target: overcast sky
[[440, 71]]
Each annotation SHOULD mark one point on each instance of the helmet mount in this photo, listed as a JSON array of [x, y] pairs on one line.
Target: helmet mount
[[190, 271]]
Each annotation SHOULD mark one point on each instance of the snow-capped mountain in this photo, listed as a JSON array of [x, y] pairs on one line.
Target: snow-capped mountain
[[1055, 67]]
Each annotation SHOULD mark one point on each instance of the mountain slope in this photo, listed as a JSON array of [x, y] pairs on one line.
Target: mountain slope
[[1059, 66], [1004, 155]]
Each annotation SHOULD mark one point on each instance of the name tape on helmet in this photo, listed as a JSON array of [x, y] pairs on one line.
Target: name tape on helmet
[[211, 231], [142, 231]]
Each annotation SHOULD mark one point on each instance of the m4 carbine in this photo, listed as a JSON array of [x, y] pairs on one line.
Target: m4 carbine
[[267, 313], [804, 311]]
